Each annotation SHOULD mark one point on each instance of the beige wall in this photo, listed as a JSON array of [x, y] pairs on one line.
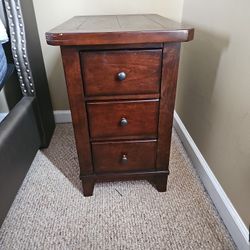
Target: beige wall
[[213, 96], [52, 13]]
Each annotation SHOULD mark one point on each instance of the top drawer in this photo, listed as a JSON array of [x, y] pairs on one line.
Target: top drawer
[[121, 72]]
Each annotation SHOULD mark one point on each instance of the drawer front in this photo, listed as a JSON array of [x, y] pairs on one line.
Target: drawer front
[[124, 156], [123, 119], [121, 72]]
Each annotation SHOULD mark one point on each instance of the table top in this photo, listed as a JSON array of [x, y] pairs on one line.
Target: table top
[[118, 29]]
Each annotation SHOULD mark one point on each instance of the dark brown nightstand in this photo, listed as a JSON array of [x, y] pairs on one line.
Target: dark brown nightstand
[[121, 74]]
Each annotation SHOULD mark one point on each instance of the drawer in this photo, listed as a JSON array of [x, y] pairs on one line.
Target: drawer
[[121, 72], [123, 119], [124, 156]]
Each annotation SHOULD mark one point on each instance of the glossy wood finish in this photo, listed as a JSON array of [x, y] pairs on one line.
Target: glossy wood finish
[[157, 178], [105, 118], [124, 156], [88, 184], [121, 46], [171, 54], [122, 97], [118, 29], [160, 182], [72, 70], [122, 128], [141, 69]]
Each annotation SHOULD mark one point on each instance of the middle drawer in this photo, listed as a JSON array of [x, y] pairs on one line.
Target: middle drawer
[[123, 119]]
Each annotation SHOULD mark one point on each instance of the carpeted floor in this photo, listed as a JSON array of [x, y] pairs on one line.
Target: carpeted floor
[[50, 212]]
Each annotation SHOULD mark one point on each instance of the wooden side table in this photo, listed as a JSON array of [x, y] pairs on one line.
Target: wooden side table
[[121, 74]]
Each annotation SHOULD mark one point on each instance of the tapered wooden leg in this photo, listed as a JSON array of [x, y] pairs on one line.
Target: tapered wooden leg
[[88, 186], [160, 183]]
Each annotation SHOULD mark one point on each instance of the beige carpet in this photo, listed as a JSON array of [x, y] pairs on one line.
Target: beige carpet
[[50, 212]]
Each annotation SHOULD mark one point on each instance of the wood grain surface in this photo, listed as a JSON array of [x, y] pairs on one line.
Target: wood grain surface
[[122, 123], [139, 155], [101, 69], [118, 29], [72, 70], [105, 118], [171, 53]]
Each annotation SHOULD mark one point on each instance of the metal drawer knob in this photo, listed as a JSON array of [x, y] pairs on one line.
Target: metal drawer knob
[[124, 158], [124, 122], [121, 76]]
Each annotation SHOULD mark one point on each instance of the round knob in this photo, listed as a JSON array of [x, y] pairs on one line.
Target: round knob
[[124, 158], [121, 76], [124, 122]]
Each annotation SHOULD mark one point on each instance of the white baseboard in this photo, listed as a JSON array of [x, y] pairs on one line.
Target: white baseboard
[[229, 215], [2, 116], [62, 116]]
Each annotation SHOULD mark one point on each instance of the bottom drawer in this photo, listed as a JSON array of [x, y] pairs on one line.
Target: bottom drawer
[[124, 156]]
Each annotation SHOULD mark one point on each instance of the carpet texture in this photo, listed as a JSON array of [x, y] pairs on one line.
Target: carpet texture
[[50, 211]]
